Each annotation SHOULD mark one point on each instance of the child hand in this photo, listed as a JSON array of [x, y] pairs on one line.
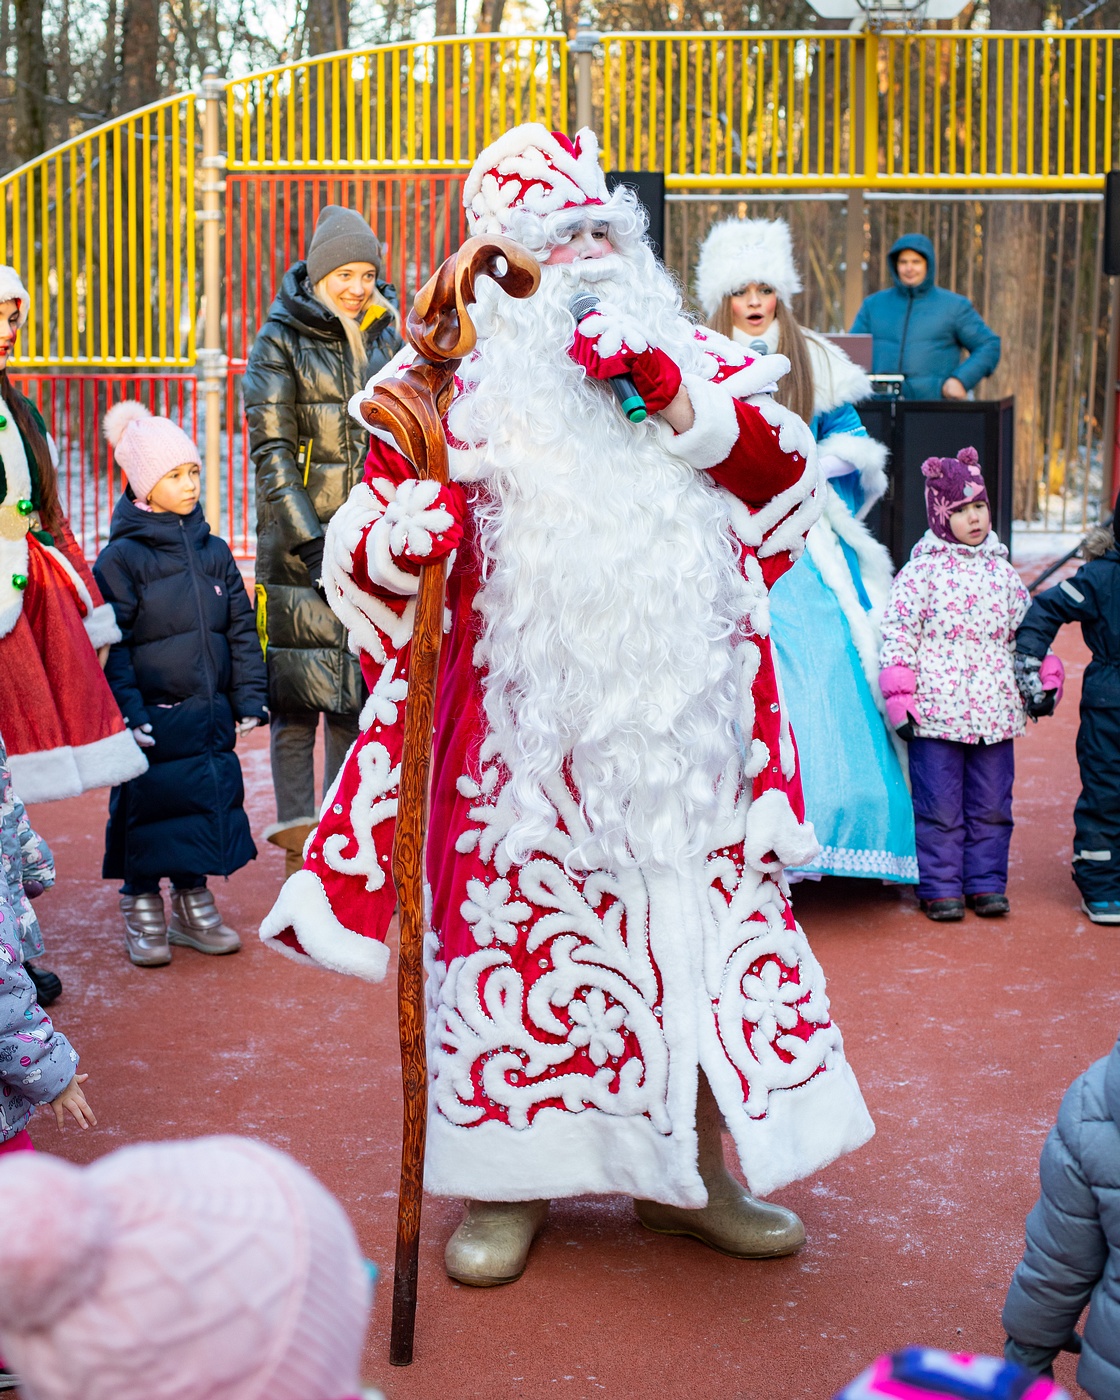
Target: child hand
[[246, 726], [73, 1101], [143, 736]]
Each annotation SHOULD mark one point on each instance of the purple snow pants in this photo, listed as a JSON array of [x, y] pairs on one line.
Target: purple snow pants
[[962, 816]]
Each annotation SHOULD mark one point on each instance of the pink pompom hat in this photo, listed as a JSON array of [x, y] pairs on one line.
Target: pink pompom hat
[[214, 1269], [146, 447], [952, 482]]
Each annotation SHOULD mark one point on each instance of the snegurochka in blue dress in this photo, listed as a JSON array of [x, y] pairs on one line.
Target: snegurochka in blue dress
[[825, 611]]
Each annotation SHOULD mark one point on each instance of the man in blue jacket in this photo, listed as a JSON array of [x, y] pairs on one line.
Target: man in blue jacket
[[920, 329]]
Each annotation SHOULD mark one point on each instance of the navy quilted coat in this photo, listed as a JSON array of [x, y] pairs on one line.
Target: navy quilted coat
[[1073, 1238], [189, 665]]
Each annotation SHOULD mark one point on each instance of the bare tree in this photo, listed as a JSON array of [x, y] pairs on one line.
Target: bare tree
[[31, 79]]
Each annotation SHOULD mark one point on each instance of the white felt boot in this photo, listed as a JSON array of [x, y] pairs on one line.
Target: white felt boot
[[492, 1244], [733, 1221]]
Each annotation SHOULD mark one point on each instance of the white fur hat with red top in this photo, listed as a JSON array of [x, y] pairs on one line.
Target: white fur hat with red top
[[528, 182]]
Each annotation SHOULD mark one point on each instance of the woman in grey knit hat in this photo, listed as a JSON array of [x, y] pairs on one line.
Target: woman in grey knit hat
[[333, 325]]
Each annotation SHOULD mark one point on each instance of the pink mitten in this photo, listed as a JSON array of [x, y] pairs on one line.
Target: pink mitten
[[1052, 674], [898, 684]]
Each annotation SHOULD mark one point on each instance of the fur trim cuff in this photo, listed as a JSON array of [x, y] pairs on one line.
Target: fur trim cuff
[[759, 377], [101, 626], [867, 456], [46, 776], [303, 909], [400, 361], [52, 774], [110, 761], [715, 431], [775, 838]]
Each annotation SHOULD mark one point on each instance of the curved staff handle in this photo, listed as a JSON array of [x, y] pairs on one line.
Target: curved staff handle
[[409, 407]]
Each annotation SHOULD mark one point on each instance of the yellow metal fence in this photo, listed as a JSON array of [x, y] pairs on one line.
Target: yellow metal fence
[[398, 106], [103, 231]]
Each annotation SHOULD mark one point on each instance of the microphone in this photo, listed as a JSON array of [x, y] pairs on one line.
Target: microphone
[[758, 346], [625, 390]]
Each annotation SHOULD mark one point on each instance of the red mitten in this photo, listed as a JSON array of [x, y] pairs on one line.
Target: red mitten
[[656, 377]]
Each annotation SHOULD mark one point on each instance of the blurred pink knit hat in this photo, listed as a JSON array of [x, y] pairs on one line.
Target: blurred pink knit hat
[[217, 1269], [146, 447]]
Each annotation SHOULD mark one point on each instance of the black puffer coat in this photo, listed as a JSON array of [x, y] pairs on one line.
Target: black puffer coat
[[308, 454], [189, 665]]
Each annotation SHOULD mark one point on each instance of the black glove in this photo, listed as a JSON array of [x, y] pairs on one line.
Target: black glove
[[1036, 701], [906, 731], [310, 555]]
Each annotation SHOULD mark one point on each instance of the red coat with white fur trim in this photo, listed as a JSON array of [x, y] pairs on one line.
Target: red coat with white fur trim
[[569, 1012]]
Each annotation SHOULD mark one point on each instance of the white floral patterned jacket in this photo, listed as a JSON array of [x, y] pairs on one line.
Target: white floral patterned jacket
[[951, 619]]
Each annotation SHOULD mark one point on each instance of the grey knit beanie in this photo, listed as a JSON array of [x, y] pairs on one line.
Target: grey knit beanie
[[341, 236]]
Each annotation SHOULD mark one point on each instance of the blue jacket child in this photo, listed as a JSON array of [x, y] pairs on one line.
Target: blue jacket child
[[1091, 597], [920, 331], [189, 677]]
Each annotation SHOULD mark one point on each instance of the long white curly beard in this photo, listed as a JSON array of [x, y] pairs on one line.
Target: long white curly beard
[[611, 589]]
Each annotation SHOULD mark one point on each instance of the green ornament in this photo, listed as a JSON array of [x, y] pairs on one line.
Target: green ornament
[[25, 507], [3, 421], [19, 581]]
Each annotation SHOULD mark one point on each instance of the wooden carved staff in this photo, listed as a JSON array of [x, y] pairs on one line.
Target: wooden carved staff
[[410, 408]]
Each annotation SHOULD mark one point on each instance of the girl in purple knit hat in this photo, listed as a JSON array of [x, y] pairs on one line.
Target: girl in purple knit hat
[[948, 676]]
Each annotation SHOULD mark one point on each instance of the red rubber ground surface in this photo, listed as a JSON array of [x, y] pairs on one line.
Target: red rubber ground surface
[[963, 1038]]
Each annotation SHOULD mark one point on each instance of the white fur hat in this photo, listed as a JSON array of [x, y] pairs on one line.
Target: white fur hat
[[536, 170], [739, 251], [12, 289]]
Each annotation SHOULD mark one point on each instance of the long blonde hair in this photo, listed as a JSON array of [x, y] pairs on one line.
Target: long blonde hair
[[795, 391], [352, 325]]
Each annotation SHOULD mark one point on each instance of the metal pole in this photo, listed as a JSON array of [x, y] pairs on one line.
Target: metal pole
[[211, 361], [583, 46], [1110, 471], [854, 230]]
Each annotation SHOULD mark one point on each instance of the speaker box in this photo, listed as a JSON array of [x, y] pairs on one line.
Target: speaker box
[[915, 429], [1112, 224], [649, 186]]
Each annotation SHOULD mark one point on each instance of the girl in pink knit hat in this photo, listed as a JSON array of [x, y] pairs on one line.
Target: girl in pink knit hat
[[189, 677], [216, 1269]]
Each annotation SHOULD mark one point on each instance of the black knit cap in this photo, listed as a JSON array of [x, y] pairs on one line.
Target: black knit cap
[[341, 236]]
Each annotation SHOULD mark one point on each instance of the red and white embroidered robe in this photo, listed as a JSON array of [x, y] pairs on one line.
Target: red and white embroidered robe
[[569, 1013]]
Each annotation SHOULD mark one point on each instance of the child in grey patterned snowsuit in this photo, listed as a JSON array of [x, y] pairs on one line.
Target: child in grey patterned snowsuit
[[26, 870], [37, 1063]]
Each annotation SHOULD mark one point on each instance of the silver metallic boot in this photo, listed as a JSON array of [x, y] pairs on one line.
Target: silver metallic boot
[[733, 1221], [492, 1244], [196, 923], [145, 929]]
